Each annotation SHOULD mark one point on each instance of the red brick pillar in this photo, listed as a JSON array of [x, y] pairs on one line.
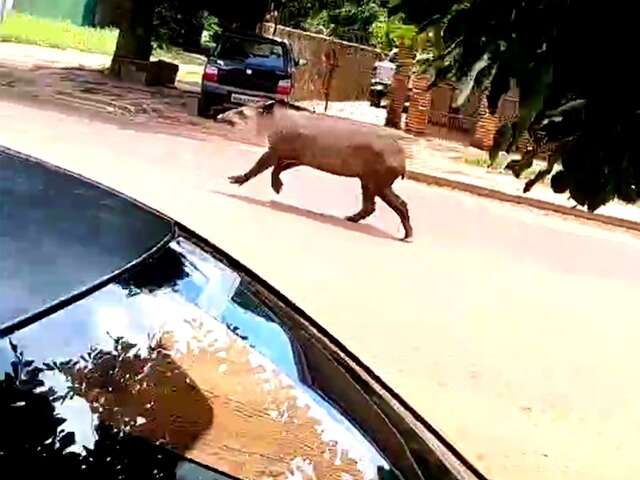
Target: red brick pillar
[[485, 128], [400, 85], [419, 105], [398, 92]]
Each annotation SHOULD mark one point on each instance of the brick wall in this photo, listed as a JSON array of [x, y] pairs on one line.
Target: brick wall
[[419, 106], [351, 76], [485, 128]]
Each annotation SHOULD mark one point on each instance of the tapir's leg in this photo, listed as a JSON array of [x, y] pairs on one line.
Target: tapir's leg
[[368, 204], [267, 160], [280, 166], [399, 206]]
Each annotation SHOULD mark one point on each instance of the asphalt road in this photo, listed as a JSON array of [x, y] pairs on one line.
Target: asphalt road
[[514, 332]]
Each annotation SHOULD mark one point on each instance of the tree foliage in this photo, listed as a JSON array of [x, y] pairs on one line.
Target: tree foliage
[[352, 22], [572, 64], [243, 15], [179, 22], [296, 14], [34, 442]]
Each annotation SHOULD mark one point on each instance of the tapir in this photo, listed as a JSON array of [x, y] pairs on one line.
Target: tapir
[[298, 137]]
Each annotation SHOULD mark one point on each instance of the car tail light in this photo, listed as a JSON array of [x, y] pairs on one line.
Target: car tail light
[[210, 74], [284, 87]]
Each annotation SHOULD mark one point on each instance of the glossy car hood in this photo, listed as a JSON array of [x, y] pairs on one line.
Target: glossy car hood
[[185, 359], [60, 234]]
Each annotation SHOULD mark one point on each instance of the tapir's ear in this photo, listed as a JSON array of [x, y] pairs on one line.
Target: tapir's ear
[[268, 107]]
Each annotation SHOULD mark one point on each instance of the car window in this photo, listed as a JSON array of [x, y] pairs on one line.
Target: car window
[[251, 51], [183, 367]]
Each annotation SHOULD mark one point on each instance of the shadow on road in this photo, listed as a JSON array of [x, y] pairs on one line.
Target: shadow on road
[[334, 221]]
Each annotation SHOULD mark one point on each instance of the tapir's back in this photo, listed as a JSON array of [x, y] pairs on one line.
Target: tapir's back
[[334, 146]]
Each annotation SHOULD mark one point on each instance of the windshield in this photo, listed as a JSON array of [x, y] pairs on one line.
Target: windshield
[[183, 353], [252, 51]]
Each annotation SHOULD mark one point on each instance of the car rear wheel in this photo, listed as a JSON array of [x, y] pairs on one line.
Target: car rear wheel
[[207, 103]]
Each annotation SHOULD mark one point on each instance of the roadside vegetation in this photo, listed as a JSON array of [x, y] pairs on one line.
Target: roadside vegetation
[[62, 34], [21, 28]]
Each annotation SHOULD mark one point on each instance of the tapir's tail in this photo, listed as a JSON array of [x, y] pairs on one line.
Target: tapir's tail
[[402, 157]]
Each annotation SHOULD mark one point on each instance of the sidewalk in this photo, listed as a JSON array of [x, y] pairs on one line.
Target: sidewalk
[[75, 79], [430, 157]]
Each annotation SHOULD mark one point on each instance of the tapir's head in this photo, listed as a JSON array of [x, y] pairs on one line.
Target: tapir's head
[[261, 115]]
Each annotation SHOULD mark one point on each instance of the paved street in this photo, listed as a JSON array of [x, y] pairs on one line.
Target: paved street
[[514, 332]]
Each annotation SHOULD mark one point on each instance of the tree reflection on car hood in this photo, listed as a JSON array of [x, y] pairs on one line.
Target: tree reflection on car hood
[[185, 354]]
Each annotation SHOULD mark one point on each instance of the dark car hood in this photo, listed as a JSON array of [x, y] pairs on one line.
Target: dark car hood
[[61, 234]]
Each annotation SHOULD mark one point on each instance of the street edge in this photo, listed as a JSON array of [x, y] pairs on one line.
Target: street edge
[[442, 182]]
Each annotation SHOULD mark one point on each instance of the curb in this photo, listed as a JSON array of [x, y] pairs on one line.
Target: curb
[[442, 182]]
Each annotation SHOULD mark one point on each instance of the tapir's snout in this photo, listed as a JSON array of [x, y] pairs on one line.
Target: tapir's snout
[[236, 116], [228, 118]]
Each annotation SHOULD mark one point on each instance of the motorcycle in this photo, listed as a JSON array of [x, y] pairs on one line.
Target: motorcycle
[[381, 79]]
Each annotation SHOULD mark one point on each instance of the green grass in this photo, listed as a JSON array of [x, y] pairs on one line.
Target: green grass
[[21, 28], [477, 161], [46, 32], [484, 162], [175, 55]]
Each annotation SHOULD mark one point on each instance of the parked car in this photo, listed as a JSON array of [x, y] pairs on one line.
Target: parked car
[[247, 69], [132, 348]]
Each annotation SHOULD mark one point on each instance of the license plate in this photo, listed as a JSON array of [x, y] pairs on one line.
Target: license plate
[[245, 99]]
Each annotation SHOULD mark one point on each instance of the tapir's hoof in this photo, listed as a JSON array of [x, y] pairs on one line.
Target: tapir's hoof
[[408, 237], [277, 186], [353, 218], [237, 179]]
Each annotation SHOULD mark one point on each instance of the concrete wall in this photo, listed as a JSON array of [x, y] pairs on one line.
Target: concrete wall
[[351, 76]]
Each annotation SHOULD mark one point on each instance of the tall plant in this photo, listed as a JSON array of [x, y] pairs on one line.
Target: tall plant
[[575, 102]]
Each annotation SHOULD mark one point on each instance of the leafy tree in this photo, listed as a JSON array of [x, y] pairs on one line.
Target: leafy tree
[[178, 23], [32, 439], [571, 62], [411, 45], [386, 32], [135, 22], [297, 14], [242, 15], [182, 20], [351, 22], [34, 443], [125, 384]]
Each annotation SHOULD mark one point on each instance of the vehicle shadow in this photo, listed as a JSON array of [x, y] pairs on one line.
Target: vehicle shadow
[[364, 228]]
